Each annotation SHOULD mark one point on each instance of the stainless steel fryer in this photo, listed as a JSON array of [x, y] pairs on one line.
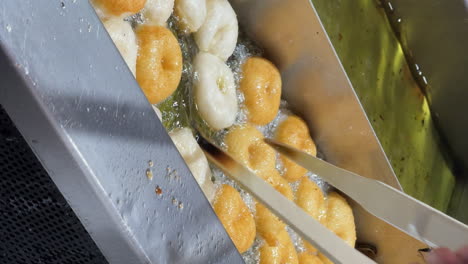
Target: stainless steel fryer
[[81, 112]]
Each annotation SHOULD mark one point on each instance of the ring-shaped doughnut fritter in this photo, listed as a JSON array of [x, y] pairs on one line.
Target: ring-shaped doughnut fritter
[[159, 62], [261, 85], [235, 217], [245, 143]]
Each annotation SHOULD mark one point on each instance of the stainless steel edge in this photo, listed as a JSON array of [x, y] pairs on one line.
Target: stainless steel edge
[[316, 87], [81, 111]]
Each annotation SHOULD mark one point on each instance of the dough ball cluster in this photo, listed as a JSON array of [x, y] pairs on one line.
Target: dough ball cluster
[[153, 55], [246, 144], [215, 28]]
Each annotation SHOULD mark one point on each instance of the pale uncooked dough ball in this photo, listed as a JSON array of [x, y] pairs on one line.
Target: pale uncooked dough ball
[[124, 38]]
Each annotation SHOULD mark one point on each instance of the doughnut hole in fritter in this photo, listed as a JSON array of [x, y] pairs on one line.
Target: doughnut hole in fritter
[[159, 62], [245, 143], [261, 85]]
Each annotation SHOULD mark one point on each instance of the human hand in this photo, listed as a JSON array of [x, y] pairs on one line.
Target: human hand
[[446, 256]]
